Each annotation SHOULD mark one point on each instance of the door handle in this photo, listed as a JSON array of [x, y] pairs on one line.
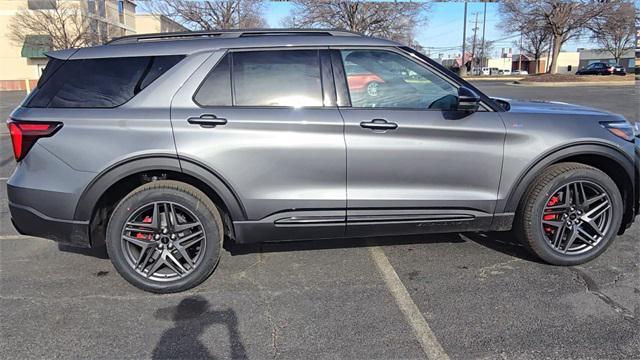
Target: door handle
[[379, 124], [207, 120]]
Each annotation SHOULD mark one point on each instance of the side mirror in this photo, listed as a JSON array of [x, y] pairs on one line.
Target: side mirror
[[468, 100]]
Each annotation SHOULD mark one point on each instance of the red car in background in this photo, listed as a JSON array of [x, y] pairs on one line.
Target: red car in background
[[361, 80]]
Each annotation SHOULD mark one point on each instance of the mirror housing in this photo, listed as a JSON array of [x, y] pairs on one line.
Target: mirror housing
[[468, 100]]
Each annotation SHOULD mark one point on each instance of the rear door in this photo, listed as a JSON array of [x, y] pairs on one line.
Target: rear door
[[266, 123], [413, 166]]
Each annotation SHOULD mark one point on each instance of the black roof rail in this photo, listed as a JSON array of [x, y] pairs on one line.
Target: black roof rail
[[228, 34]]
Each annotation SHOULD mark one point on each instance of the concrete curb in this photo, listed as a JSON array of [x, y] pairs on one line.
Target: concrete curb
[[585, 83], [505, 78]]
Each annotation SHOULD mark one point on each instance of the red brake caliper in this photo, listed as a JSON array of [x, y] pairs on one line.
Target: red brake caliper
[[549, 217], [146, 220]]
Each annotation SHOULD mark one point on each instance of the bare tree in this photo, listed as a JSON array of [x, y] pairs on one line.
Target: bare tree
[[392, 20], [535, 35], [211, 15], [478, 51], [614, 29], [63, 22], [564, 20]]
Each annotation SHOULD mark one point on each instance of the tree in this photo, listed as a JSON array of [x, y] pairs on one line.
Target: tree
[[392, 20], [614, 29], [563, 20], [535, 34], [212, 15], [62, 22], [478, 51]]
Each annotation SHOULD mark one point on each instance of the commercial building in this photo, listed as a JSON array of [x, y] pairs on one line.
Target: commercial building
[[568, 62], [592, 56], [21, 63]]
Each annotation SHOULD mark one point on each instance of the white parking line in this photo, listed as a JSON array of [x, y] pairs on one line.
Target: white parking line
[[430, 345], [4, 179], [11, 237]]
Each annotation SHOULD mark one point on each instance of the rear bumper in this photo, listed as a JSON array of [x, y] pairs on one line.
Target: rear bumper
[[29, 221]]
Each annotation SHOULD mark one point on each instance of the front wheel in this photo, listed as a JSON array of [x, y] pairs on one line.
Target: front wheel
[[165, 236], [570, 215]]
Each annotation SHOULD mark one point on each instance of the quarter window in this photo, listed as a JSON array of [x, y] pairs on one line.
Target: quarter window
[[98, 83], [378, 78]]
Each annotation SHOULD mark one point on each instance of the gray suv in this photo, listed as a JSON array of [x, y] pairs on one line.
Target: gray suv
[[161, 146]]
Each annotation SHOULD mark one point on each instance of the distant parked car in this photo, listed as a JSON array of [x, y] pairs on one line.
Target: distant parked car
[[494, 71], [519, 72], [504, 72], [601, 68]]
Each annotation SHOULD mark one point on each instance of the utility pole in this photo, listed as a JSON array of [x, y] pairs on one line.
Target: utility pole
[[484, 25], [520, 53], [473, 47], [463, 66]]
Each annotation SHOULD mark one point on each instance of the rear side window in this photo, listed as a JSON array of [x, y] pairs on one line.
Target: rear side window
[[99, 83], [277, 78]]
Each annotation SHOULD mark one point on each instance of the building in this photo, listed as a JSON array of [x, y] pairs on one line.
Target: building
[[21, 64], [568, 62], [593, 56], [154, 23]]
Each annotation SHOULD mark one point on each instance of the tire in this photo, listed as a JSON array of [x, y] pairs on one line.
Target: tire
[[200, 243], [539, 236]]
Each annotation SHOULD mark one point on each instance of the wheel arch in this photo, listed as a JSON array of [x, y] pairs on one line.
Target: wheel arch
[[100, 197], [604, 157]]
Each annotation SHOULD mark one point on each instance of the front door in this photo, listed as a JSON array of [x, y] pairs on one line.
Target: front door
[[414, 166]]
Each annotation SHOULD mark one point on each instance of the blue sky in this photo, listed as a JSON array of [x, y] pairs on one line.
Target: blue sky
[[443, 31]]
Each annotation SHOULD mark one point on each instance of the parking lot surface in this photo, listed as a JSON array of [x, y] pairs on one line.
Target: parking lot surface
[[473, 295]]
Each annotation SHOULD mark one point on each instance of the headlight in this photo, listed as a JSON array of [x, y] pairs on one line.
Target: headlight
[[621, 129]]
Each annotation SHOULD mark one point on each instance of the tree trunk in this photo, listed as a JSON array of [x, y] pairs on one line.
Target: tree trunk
[[557, 44]]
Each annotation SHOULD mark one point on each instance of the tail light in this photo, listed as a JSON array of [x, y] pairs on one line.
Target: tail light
[[611, 69], [24, 134]]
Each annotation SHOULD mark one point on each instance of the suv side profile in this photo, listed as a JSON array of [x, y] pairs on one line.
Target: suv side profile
[[161, 146]]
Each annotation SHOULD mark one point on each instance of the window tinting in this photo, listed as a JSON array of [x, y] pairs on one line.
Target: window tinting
[[277, 78], [99, 83], [216, 89], [378, 78], [42, 4]]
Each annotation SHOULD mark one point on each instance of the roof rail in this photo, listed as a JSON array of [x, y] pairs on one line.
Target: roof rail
[[227, 34]]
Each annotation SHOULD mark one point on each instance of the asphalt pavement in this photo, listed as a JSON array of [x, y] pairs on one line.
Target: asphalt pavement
[[472, 296]]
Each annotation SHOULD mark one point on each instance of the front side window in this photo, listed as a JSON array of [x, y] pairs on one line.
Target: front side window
[[384, 79], [277, 78], [98, 83]]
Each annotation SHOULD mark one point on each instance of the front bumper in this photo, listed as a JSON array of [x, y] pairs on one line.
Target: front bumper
[[29, 221]]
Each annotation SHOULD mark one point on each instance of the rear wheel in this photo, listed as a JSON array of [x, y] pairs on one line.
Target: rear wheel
[[165, 236], [570, 214]]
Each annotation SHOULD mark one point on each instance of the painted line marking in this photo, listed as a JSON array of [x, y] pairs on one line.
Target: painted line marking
[[412, 314], [11, 237], [4, 179]]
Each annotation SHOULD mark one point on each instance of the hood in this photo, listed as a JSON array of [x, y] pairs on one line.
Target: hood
[[549, 107]]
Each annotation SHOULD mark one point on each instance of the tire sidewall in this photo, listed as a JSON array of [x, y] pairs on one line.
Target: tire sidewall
[[547, 253], [131, 204]]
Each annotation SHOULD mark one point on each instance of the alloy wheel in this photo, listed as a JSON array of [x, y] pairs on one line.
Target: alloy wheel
[[163, 241], [576, 217]]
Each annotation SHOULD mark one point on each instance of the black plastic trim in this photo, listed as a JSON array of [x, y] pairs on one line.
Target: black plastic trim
[[555, 155], [29, 221]]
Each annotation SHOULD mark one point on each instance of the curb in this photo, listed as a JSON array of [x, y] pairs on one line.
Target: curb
[[505, 78], [582, 83]]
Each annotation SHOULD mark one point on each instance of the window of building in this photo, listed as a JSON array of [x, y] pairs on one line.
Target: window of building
[[121, 11], [277, 78], [42, 4], [378, 78], [98, 83]]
